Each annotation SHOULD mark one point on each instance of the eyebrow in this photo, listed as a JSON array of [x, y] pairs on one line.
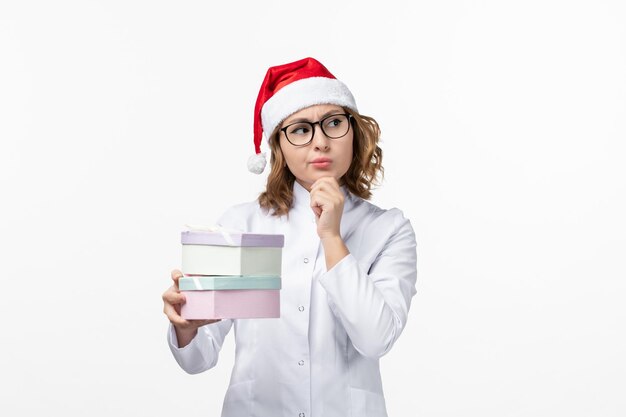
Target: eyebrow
[[304, 119]]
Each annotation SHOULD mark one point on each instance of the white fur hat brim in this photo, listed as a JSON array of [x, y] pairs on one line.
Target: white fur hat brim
[[302, 94]]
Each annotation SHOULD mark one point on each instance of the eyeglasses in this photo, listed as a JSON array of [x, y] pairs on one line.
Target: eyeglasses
[[334, 126]]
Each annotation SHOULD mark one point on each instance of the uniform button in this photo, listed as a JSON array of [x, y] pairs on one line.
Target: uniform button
[[301, 308], [306, 260], [301, 363]]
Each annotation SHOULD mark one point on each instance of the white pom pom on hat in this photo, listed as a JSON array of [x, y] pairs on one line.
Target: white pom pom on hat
[[257, 162], [287, 89]]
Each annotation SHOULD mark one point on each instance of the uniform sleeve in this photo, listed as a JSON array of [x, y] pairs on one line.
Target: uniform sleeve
[[203, 351], [373, 305]]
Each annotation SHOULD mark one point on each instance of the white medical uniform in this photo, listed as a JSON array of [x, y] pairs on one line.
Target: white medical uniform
[[321, 357]]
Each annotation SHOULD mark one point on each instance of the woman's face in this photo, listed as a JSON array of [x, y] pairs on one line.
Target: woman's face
[[300, 159]]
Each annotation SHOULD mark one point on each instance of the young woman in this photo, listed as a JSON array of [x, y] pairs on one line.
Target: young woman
[[348, 270]]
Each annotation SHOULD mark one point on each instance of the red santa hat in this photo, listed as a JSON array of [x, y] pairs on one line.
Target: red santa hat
[[287, 89]]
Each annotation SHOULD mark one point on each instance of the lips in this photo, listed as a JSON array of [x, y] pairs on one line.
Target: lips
[[319, 160], [321, 163]]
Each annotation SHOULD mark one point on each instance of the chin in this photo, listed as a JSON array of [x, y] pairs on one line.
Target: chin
[[323, 174]]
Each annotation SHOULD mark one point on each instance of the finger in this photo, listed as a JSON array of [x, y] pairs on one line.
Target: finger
[[173, 297], [174, 317], [317, 210], [324, 199], [181, 323], [327, 190], [330, 182], [323, 194], [176, 275], [326, 182], [316, 204]]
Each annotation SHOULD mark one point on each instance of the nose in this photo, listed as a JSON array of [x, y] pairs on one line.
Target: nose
[[320, 140]]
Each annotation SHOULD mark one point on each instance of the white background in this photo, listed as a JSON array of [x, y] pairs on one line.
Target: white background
[[504, 143]]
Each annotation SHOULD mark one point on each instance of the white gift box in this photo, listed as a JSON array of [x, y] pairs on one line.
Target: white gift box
[[239, 253]]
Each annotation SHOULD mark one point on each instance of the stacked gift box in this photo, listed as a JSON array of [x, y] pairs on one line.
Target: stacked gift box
[[230, 274]]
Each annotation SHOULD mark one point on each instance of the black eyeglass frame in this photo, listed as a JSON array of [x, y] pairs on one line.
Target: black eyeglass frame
[[319, 122]]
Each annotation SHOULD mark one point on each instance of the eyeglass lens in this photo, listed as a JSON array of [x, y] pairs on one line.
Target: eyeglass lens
[[334, 127]]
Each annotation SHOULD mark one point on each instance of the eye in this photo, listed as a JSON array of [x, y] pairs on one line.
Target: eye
[[333, 122], [299, 129]]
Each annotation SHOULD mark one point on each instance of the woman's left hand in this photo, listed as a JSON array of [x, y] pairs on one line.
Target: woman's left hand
[[327, 204]]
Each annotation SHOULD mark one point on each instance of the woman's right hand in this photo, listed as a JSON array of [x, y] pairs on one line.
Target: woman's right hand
[[172, 300]]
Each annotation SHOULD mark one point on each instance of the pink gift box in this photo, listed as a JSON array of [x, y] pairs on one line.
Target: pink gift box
[[231, 304]]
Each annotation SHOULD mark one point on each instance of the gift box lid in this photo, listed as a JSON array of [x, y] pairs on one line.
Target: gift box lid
[[229, 282], [221, 238]]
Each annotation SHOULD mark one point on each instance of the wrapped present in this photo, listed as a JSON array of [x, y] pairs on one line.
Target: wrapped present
[[230, 274], [230, 304], [231, 253]]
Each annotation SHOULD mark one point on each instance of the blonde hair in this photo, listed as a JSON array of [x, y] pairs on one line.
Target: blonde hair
[[363, 173]]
